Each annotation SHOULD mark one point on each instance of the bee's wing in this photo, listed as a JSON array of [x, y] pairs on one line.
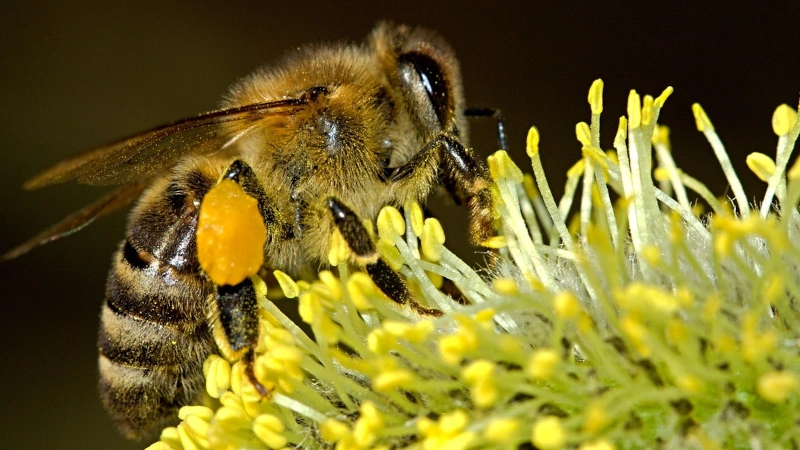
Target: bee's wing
[[134, 160], [79, 219], [145, 154]]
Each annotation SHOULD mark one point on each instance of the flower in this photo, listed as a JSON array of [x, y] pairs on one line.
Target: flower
[[635, 323]]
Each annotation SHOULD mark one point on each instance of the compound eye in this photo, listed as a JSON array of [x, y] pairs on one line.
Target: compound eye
[[421, 73]]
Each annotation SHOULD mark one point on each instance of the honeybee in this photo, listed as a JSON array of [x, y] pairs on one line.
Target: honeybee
[[319, 142]]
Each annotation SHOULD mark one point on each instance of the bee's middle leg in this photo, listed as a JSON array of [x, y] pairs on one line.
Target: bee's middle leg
[[360, 242]]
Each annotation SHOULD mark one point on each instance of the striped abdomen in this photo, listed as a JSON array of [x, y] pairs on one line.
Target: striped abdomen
[[154, 334]]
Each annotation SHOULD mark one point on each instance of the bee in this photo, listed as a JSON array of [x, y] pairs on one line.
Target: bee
[[319, 143]]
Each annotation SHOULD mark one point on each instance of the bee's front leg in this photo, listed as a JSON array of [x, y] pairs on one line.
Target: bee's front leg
[[360, 242], [465, 177], [495, 114]]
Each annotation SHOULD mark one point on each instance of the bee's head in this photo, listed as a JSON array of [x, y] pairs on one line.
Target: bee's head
[[424, 72]]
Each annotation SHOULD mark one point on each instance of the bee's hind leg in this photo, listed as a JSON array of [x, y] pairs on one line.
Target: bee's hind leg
[[360, 242], [237, 313], [235, 308]]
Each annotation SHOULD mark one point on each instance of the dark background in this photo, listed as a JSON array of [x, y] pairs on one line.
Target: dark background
[[80, 74]]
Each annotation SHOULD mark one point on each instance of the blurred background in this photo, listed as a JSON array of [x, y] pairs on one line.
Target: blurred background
[[80, 74]]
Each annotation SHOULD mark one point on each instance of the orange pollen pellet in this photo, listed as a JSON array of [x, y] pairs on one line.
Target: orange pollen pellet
[[230, 234]]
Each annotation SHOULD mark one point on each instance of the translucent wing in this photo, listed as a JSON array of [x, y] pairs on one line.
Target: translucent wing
[[145, 154], [79, 219]]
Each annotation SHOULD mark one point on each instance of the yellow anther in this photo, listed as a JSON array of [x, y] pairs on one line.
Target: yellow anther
[[600, 444], [231, 418], [170, 436], [567, 305], [432, 238], [197, 428], [231, 400], [259, 286], [577, 169], [238, 382], [647, 110], [783, 119], [333, 430], [530, 186], [596, 96], [390, 254], [661, 174], [532, 142], [452, 347], [583, 133], [548, 433], [395, 328], [634, 110], [637, 333], [596, 155], [723, 244], [794, 172], [478, 370], [701, 118], [417, 218], [414, 333], [690, 383], [622, 132], [485, 317], [685, 296], [595, 418], [638, 296], [358, 286], [338, 249], [392, 379], [775, 387], [269, 429], [661, 136], [420, 331], [453, 422], [761, 165], [329, 330], [310, 307], [612, 156], [495, 242], [332, 282], [652, 254], [202, 412], [446, 434], [369, 422], [543, 364], [381, 342], [287, 284], [479, 375], [218, 376], [230, 234], [773, 289], [506, 286], [188, 440], [390, 224], [502, 167], [501, 430], [676, 331], [661, 99], [436, 280]]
